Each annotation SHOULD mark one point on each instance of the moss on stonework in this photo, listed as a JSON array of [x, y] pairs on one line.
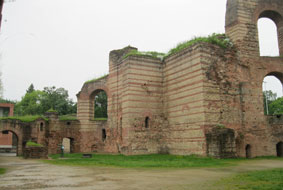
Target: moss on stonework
[[25, 119], [68, 118], [152, 54], [220, 126], [96, 79], [220, 40], [52, 111], [33, 144], [100, 119]]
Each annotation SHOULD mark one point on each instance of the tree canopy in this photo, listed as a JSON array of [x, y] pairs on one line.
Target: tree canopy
[[275, 105], [100, 105], [37, 102]]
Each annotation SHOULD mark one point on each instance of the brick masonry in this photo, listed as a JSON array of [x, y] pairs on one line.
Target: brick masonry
[[203, 100]]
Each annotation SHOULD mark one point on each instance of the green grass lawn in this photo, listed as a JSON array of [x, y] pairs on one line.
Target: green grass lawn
[[2, 171], [141, 161], [255, 180]]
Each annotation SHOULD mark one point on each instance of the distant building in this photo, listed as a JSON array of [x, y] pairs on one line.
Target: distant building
[[7, 139]]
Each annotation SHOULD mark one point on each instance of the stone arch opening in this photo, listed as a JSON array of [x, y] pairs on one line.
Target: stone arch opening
[[68, 144], [9, 143], [272, 93], [99, 104], [270, 33], [279, 149], [248, 151], [268, 38]]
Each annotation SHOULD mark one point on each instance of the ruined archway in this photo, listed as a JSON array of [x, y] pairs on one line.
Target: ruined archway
[[272, 93], [268, 37], [9, 143], [248, 151], [99, 104], [279, 149], [270, 21]]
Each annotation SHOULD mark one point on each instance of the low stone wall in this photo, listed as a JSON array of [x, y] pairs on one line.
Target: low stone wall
[[35, 152]]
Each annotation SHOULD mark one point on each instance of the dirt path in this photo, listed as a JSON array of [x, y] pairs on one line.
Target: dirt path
[[33, 174]]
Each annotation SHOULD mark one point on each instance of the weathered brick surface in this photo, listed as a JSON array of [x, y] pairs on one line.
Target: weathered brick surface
[[175, 105], [35, 152]]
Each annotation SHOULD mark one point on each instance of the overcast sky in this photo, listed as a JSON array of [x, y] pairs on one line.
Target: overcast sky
[[64, 43]]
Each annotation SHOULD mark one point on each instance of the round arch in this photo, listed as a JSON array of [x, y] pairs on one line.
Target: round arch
[[274, 15], [16, 139], [272, 88], [98, 104]]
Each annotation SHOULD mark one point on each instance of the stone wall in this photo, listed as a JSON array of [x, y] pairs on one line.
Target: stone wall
[[220, 142], [172, 105], [35, 153]]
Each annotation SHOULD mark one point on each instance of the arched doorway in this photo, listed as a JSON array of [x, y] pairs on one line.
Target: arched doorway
[[68, 144], [8, 143], [279, 149], [248, 151]]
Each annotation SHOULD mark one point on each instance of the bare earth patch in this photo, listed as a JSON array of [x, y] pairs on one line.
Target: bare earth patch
[[33, 174]]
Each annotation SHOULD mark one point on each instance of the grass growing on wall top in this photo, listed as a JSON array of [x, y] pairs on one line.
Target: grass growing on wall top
[[220, 40], [217, 39], [100, 119], [33, 144], [152, 54], [96, 79], [26, 119], [68, 118]]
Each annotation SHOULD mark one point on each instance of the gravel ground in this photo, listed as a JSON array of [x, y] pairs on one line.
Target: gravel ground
[[34, 174]]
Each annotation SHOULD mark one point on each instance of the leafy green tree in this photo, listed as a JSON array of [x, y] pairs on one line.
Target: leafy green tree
[[57, 99], [30, 104], [268, 98], [100, 105], [36, 102], [30, 89], [276, 107]]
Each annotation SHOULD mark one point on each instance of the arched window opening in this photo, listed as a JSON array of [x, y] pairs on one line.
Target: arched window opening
[[68, 144], [100, 105], [8, 143], [146, 122], [248, 151], [103, 135], [272, 94], [268, 37], [279, 149]]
